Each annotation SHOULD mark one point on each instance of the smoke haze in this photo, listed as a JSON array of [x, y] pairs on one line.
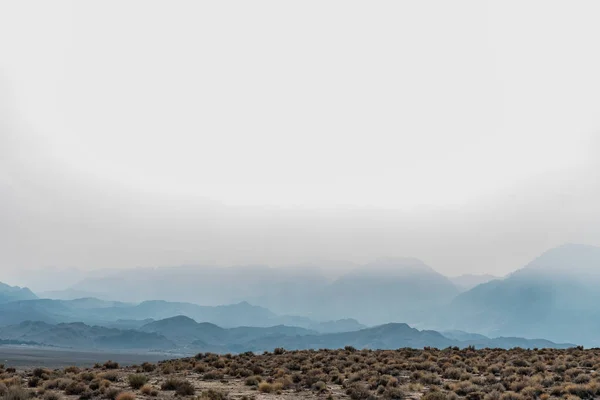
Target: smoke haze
[[271, 134]]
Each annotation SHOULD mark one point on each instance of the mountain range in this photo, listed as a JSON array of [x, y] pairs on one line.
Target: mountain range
[[554, 297], [387, 290], [78, 335], [183, 335], [132, 316], [14, 293]]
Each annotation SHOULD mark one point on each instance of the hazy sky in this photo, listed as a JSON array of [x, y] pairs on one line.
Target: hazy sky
[[144, 133]]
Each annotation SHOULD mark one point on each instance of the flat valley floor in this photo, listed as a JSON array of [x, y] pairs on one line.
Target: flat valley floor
[[31, 357]]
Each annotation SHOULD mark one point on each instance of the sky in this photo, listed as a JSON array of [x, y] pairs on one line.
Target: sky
[[147, 133]]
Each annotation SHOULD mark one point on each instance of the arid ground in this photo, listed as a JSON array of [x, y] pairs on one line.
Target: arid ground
[[430, 374]]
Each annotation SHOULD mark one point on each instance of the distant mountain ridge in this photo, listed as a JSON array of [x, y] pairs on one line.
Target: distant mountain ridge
[[126, 315], [183, 335], [184, 330], [15, 293], [78, 335], [358, 294], [555, 296], [387, 290]]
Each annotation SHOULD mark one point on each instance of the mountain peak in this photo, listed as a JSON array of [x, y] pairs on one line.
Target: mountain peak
[[398, 266], [569, 258], [15, 293], [395, 326], [177, 320]]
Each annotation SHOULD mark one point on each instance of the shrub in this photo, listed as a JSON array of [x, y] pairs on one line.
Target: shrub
[[213, 375], [320, 386], [212, 394], [430, 379], [253, 380], [452, 373], [39, 372], [149, 390], [578, 390], [12, 381], [434, 395], [125, 396], [34, 382], [277, 387], [180, 386], [112, 393], [493, 395], [72, 370], [356, 391], [110, 376], [86, 376], [111, 365], [167, 369], [200, 368], [86, 395], [53, 384], [52, 396], [136, 381], [511, 396], [148, 367], [146, 389], [185, 388], [75, 388], [452, 396], [16, 393], [474, 396], [170, 384], [531, 392], [95, 384], [265, 387], [394, 393]]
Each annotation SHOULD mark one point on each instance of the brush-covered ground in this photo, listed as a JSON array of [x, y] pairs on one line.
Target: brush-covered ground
[[429, 374]]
